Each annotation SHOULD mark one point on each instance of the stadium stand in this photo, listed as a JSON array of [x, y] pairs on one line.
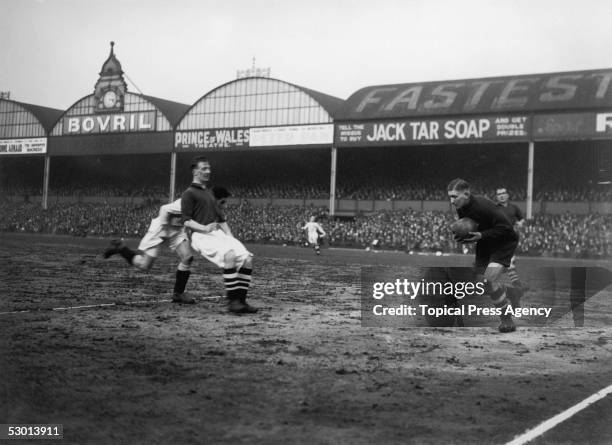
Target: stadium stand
[[564, 235]]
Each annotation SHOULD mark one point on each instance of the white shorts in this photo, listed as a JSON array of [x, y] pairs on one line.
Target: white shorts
[[161, 233], [214, 246], [313, 238]]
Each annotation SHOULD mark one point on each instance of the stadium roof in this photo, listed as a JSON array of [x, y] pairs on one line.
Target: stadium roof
[[257, 101], [172, 110], [331, 104], [46, 116], [563, 91]]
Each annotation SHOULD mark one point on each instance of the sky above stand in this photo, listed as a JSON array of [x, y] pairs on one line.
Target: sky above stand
[[52, 50]]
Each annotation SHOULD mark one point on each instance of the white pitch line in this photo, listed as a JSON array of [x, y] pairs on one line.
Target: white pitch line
[[67, 308], [529, 435], [89, 306]]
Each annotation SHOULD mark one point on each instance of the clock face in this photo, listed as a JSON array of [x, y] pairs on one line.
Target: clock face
[[110, 99]]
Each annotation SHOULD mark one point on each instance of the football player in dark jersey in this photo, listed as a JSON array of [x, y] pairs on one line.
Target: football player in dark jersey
[[495, 241], [515, 216]]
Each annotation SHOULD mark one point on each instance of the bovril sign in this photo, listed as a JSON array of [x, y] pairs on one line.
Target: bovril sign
[[110, 123]]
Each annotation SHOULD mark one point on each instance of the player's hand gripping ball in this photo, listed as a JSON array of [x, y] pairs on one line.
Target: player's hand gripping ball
[[462, 228]]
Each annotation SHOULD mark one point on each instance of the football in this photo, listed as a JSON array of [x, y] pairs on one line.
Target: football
[[463, 226]]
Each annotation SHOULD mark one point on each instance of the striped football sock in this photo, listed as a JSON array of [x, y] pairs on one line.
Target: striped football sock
[[244, 279], [232, 283]]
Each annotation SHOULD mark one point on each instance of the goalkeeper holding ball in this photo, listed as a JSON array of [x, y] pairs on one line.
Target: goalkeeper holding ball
[[495, 241]]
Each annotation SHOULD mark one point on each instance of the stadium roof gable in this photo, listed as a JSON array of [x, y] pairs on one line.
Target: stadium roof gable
[[259, 102], [331, 104], [45, 115], [168, 114], [172, 110]]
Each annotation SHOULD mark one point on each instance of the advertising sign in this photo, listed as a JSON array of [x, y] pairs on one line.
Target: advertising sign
[[293, 135], [569, 126], [110, 123], [23, 146], [518, 94], [240, 138], [427, 131], [228, 138]]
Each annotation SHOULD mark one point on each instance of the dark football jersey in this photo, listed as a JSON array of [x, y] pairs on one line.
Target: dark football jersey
[[512, 212]]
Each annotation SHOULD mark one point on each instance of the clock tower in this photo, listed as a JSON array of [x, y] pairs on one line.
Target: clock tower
[[109, 92]]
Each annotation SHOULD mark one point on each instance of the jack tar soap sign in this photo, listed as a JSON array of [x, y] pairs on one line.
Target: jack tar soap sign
[[412, 132]]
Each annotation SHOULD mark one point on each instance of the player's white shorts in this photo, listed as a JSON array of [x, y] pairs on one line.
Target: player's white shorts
[[313, 238], [161, 233], [214, 245]]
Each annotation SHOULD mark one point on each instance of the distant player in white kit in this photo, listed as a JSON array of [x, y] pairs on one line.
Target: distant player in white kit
[[314, 232]]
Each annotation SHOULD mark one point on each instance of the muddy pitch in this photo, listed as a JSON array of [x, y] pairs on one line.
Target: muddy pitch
[[138, 369]]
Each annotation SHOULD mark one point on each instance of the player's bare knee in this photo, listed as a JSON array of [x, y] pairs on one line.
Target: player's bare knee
[[248, 262], [494, 272], [230, 258], [186, 258]]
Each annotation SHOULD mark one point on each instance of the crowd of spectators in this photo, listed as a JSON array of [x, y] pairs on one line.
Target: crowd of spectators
[[407, 230], [382, 189], [79, 219], [437, 192]]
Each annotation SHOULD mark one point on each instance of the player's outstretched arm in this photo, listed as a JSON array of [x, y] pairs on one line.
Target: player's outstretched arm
[[321, 231], [197, 227], [225, 227]]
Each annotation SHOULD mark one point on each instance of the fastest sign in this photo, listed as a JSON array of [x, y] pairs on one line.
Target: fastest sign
[[410, 132]]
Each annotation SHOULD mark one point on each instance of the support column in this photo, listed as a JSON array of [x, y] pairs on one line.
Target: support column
[[45, 193], [332, 184], [529, 203], [172, 175]]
